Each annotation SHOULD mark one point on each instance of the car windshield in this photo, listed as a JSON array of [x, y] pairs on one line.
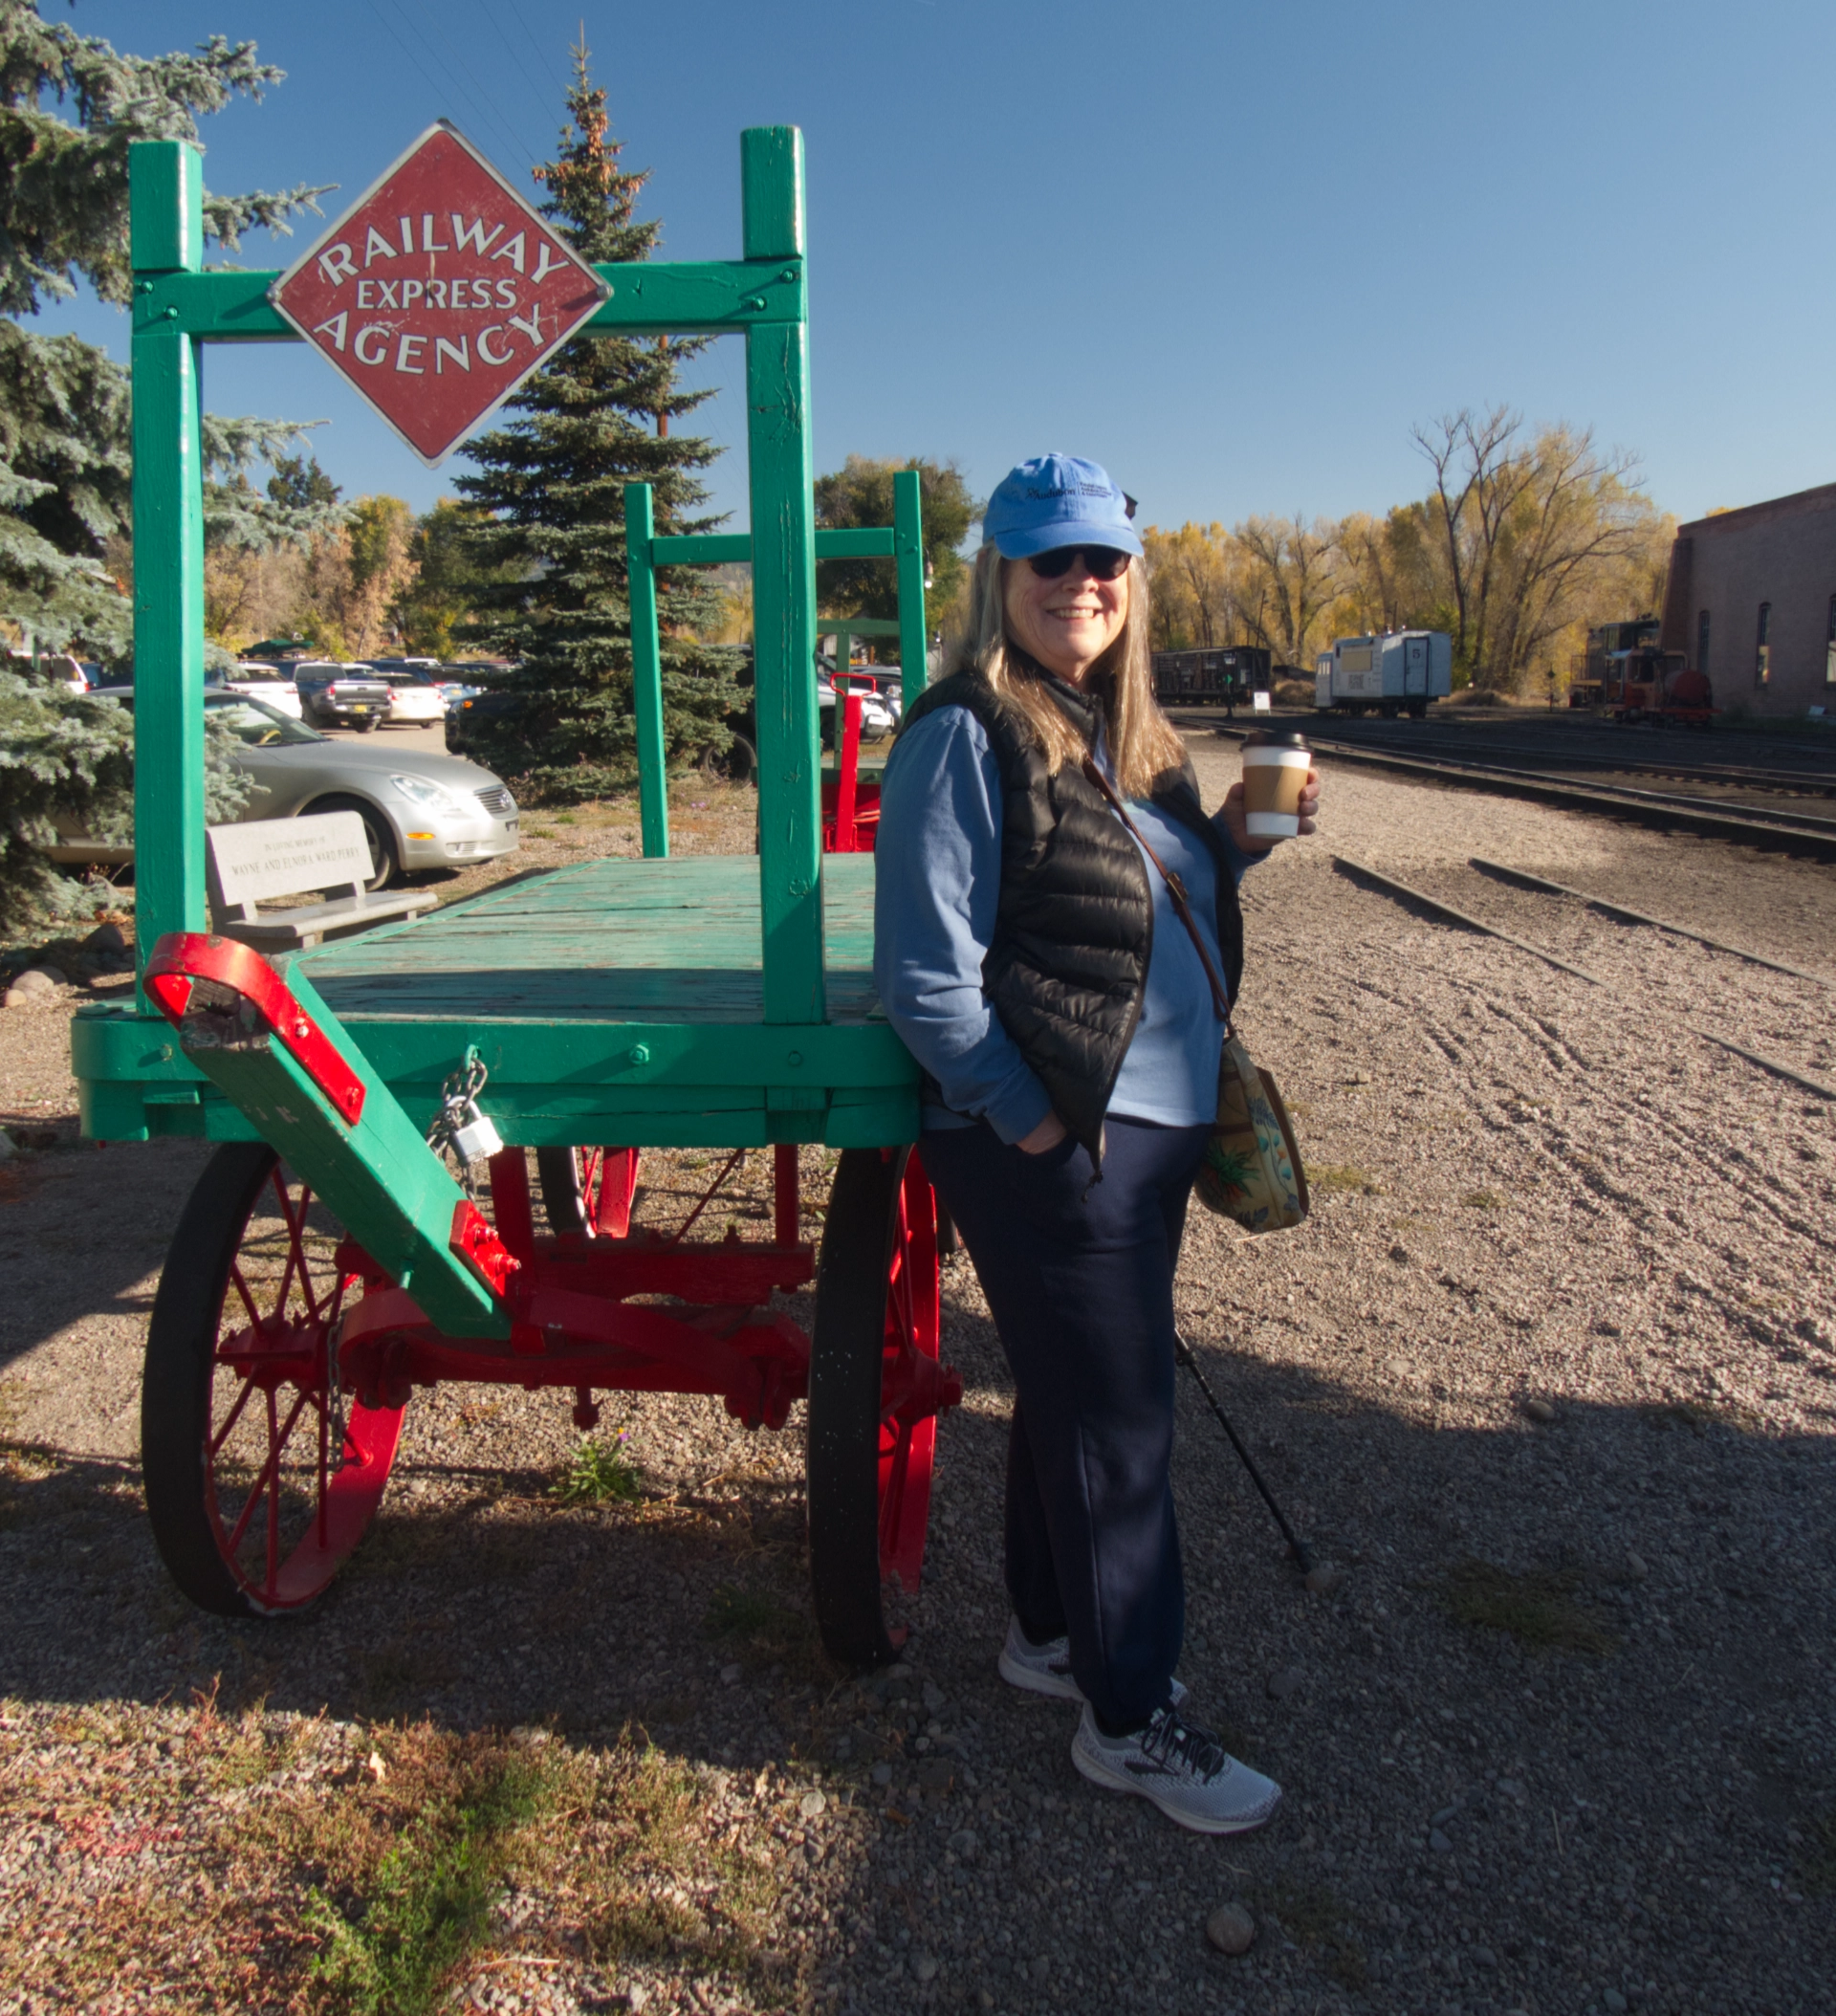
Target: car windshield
[[260, 725]]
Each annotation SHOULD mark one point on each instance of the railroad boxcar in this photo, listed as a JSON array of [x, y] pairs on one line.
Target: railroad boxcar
[[1225, 677], [1401, 670]]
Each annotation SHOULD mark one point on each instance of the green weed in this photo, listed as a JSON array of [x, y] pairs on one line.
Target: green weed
[[1315, 1918], [756, 1624], [1483, 1200], [600, 1470], [428, 1901], [1537, 1608], [1817, 1858]]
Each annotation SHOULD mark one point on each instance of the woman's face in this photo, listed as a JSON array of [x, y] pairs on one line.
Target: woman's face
[[1067, 623]]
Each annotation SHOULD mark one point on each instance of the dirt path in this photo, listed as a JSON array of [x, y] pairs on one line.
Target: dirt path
[[1559, 1740]]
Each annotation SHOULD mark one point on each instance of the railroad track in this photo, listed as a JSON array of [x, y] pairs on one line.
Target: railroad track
[[1428, 740], [1419, 899], [1752, 826]]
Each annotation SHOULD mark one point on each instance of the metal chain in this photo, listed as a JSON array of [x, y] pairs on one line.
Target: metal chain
[[458, 1103], [335, 1401]]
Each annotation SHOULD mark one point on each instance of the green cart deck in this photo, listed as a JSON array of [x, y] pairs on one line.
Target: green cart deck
[[618, 1002]]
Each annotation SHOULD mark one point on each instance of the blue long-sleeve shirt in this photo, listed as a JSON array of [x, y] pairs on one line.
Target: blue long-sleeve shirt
[[938, 877]]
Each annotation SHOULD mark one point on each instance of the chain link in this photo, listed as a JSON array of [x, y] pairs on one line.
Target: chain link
[[458, 1106]]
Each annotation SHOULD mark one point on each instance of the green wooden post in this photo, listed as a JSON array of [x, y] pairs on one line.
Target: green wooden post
[[777, 406], [909, 556], [165, 185], [647, 670]]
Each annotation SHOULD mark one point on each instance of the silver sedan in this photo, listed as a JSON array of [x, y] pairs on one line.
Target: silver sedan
[[429, 810]]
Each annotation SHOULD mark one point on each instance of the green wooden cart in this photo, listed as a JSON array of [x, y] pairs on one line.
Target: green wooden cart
[[329, 1261]]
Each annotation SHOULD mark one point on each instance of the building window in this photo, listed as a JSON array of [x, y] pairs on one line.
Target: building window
[[1762, 649], [1829, 648], [1702, 638]]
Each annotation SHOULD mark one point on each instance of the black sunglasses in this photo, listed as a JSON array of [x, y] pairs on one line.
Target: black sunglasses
[[1104, 563]]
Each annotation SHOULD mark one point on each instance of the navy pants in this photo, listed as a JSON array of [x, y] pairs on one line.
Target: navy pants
[[1080, 1278]]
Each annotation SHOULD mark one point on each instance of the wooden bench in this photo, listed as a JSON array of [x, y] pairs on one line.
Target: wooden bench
[[262, 858]]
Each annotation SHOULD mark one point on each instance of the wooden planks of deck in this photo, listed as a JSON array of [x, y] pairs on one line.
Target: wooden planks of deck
[[672, 941]]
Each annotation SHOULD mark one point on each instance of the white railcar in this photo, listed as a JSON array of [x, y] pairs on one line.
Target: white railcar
[[1402, 671]]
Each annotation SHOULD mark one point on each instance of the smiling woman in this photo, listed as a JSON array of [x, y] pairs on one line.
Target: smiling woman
[[1070, 1028]]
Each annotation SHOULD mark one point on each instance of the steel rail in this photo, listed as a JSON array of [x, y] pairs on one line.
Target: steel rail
[[1632, 917], [1359, 872], [1460, 742], [1403, 891], [1755, 826], [1457, 742]]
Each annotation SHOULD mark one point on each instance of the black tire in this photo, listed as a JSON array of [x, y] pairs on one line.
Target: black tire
[[175, 1386], [365, 724], [385, 862], [846, 1350], [557, 1169], [195, 1460]]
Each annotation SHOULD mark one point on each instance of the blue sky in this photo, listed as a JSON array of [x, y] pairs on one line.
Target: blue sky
[[1233, 252]]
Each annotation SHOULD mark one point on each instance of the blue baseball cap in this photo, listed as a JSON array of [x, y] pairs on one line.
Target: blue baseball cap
[[1057, 500]]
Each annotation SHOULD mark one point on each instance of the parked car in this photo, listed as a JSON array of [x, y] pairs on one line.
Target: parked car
[[255, 681], [876, 717], [56, 665], [419, 811], [471, 713], [341, 696], [416, 694]]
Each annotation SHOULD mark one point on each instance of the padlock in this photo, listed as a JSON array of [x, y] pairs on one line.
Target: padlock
[[474, 1137]]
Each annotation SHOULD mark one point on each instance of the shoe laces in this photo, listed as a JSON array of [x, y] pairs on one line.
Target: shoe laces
[[1169, 1740]]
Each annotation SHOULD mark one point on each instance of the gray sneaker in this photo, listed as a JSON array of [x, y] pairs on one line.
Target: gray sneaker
[[1185, 1771], [1046, 1669]]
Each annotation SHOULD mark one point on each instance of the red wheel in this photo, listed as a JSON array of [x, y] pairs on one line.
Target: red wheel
[[588, 1191], [259, 1479], [908, 1380], [876, 1387]]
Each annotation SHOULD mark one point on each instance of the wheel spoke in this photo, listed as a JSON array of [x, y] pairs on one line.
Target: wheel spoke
[[235, 1415], [248, 1300]]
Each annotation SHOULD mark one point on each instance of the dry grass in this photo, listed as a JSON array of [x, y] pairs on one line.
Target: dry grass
[[181, 1860], [1537, 1608]]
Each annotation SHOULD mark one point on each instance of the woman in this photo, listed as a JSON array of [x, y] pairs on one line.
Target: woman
[[1029, 954]]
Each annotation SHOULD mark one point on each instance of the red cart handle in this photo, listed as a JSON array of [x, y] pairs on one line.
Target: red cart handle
[[183, 957]]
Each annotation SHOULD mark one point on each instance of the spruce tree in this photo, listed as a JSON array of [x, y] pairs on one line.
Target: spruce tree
[[552, 574], [65, 450]]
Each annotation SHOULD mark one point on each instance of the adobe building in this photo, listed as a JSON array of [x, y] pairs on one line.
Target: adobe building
[[1751, 601]]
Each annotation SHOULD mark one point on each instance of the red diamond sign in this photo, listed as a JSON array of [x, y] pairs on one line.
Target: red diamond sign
[[439, 293]]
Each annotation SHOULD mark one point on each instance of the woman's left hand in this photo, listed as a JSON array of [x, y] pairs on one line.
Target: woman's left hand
[[1231, 812]]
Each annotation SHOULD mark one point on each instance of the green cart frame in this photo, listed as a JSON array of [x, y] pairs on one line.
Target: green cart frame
[[328, 1262]]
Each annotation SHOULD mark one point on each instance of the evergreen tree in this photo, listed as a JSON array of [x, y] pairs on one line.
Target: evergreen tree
[[65, 448], [552, 580], [65, 458]]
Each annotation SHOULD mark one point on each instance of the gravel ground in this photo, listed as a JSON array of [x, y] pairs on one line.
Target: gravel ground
[[1548, 1378]]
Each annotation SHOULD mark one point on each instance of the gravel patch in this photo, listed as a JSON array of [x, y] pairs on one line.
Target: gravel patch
[[1548, 1380]]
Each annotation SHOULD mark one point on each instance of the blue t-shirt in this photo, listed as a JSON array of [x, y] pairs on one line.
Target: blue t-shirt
[[938, 877]]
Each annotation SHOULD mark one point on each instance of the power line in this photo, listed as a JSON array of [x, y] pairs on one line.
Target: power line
[[515, 8], [491, 14], [453, 85], [502, 124]]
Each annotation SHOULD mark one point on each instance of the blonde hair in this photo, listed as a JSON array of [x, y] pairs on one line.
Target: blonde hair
[[1142, 744]]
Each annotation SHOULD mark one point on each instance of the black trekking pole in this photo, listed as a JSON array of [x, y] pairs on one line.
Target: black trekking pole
[[1297, 1547]]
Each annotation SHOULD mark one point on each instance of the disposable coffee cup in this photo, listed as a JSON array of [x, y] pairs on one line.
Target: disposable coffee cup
[[1274, 773]]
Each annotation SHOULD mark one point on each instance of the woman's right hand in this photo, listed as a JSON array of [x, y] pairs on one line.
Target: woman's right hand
[[1049, 1132]]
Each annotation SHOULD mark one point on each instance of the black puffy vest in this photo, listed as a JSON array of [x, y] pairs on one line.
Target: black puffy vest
[[1075, 927]]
